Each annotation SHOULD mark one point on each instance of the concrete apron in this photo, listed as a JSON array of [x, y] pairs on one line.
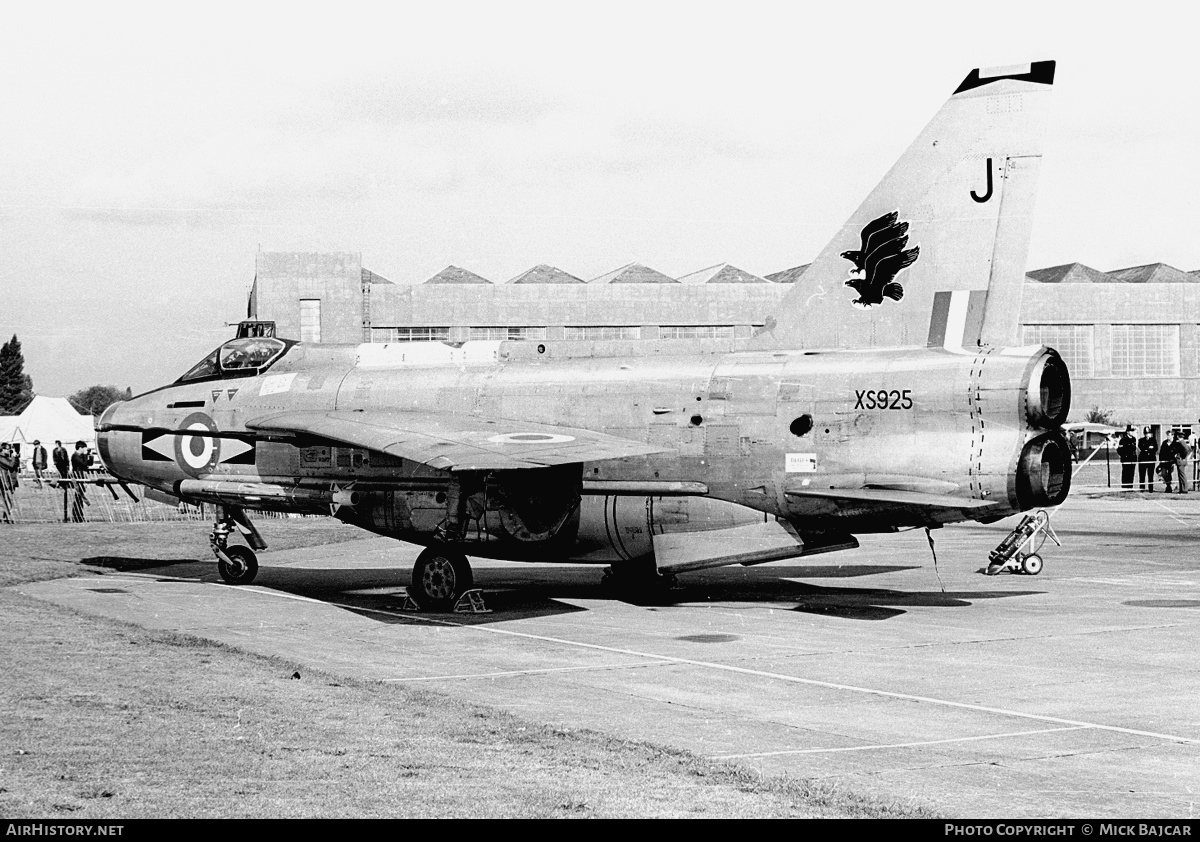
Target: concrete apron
[[1070, 693]]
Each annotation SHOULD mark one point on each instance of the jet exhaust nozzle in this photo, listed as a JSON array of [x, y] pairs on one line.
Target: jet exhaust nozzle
[[1048, 395], [1044, 472]]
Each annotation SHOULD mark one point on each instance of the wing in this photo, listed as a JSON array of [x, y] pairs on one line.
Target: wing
[[755, 543], [893, 497], [455, 442]]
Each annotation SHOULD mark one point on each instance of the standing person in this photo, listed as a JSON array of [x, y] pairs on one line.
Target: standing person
[[38, 462], [62, 460], [1147, 457], [8, 473], [1183, 455], [1166, 462], [80, 463], [10, 463], [1127, 449]]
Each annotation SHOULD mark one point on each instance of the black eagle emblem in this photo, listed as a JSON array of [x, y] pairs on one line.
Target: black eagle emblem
[[880, 259]]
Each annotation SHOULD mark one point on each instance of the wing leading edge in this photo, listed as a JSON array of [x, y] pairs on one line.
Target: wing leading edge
[[455, 442]]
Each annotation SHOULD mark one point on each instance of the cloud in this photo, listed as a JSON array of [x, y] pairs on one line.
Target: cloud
[[440, 99]]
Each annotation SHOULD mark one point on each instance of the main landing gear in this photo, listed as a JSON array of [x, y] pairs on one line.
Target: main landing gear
[[442, 574], [237, 565], [439, 578]]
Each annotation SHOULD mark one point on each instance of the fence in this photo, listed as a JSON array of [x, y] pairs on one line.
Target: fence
[[54, 502], [1100, 467], [103, 501]]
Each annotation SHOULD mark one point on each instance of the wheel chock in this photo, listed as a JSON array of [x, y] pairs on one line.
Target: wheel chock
[[471, 602], [410, 604]]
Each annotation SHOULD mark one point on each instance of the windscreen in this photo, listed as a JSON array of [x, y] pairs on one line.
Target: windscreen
[[238, 358]]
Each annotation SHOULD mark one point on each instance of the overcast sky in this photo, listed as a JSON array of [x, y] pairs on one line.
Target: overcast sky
[[148, 152]]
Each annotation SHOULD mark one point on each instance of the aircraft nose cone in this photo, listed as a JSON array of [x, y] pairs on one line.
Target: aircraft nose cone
[[105, 431], [105, 421]]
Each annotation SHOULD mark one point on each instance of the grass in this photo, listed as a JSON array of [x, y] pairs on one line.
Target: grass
[[109, 720]]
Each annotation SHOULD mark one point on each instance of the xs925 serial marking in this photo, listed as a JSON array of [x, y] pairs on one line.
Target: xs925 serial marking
[[883, 399]]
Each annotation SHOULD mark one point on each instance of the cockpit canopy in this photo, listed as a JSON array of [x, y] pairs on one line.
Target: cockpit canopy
[[238, 358]]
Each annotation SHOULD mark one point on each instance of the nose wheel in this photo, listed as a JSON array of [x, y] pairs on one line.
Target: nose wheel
[[239, 566]]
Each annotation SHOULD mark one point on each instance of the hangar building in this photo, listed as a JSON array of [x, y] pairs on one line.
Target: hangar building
[[1131, 337]]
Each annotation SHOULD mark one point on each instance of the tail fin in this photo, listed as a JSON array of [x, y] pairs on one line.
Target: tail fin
[[936, 254]]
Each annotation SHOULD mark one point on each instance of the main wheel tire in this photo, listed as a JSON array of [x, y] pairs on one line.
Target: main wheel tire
[[1032, 565], [243, 569], [439, 578]]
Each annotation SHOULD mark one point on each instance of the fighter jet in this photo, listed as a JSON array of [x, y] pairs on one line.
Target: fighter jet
[[655, 457]]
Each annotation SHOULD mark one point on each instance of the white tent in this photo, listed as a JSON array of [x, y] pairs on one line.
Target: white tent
[[8, 428], [48, 420]]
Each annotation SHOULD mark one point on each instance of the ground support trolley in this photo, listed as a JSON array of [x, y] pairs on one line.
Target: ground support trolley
[[1019, 551]]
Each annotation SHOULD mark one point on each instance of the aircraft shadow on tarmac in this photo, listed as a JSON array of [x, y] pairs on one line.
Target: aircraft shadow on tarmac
[[520, 592], [883, 604], [127, 564]]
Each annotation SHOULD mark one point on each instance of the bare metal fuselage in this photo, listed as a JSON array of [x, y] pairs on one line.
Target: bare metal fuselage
[[782, 434]]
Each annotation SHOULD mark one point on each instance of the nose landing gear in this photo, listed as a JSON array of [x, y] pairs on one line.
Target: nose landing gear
[[237, 565]]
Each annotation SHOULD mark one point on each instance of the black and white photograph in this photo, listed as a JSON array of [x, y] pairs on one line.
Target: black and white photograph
[[610, 411]]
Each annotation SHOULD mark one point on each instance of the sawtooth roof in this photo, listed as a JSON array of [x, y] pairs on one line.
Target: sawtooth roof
[[1069, 273], [370, 277], [722, 273], [1152, 273], [633, 273], [455, 275], [543, 274], [787, 276]]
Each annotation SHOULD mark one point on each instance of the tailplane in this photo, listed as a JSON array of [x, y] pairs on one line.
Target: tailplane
[[936, 254]]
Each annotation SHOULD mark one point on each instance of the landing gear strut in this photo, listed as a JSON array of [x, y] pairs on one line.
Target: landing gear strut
[[440, 576], [237, 565]]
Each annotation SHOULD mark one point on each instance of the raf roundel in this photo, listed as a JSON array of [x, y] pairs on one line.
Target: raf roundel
[[197, 450]]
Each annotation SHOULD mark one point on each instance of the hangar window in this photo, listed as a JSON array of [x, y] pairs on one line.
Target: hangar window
[[602, 332], [410, 334], [1145, 350], [1073, 342], [507, 333], [695, 332]]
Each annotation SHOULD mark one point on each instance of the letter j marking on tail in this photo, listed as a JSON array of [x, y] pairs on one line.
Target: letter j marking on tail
[[988, 194]]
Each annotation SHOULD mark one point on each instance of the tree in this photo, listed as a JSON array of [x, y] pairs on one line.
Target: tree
[[16, 387], [1096, 415], [95, 399]]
